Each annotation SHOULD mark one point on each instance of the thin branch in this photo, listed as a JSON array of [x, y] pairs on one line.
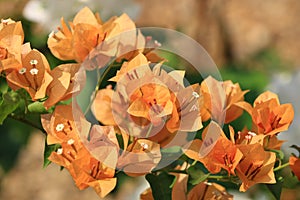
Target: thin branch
[[25, 121], [281, 167]]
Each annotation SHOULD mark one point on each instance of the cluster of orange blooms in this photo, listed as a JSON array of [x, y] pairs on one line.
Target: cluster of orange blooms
[[149, 109]]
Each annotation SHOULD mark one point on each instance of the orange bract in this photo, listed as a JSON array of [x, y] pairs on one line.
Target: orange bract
[[101, 106], [63, 128], [269, 117], [32, 74], [149, 103], [216, 153], [93, 42], [220, 100], [68, 81], [295, 165], [11, 40], [256, 166]]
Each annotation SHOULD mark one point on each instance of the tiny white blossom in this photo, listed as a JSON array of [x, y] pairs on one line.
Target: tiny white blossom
[[33, 62], [34, 71], [70, 141], [59, 127], [144, 145], [59, 151], [22, 70], [196, 95]]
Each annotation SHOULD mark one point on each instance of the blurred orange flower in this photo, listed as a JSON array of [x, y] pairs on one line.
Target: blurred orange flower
[[93, 42], [295, 165], [32, 74], [203, 190], [11, 40], [256, 166], [101, 106], [220, 100], [68, 80]]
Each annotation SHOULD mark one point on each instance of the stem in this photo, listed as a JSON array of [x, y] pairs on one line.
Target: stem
[[100, 80], [25, 121], [281, 167]]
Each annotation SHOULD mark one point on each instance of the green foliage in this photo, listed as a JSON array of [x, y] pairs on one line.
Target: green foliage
[[196, 175], [9, 102], [161, 185], [275, 189], [37, 107], [47, 152]]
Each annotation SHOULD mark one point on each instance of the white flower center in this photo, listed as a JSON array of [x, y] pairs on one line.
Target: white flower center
[[196, 95], [34, 71], [22, 70], [59, 127], [33, 62], [251, 134], [59, 151], [144, 145], [70, 141]]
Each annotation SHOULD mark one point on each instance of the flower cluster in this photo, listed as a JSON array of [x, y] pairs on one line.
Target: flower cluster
[[150, 112]]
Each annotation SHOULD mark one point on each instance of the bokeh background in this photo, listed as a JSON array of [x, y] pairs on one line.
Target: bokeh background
[[253, 42]]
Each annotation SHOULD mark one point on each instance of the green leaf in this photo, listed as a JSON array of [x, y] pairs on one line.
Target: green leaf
[[161, 185], [10, 102], [169, 155], [3, 86], [47, 152], [275, 189], [37, 107], [196, 175], [279, 153]]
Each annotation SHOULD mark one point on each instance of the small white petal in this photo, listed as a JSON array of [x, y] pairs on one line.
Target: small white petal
[[33, 62], [22, 70], [59, 127], [70, 141], [59, 151], [251, 133], [196, 95], [144, 145], [34, 71]]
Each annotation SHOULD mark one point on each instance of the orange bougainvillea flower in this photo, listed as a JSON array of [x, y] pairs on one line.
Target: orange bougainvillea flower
[[295, 165], [64, 127], [138, 158], [101, 106], [93, 42], [153, 104], [11, 40], [256, 166], [68, 81], [269, 117], [224, 153], [32, 74], [220, 100]]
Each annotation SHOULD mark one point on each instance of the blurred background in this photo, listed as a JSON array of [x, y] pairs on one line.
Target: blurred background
[[253, 42]]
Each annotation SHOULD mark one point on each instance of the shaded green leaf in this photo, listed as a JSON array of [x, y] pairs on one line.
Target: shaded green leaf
[[37, 107], [275, 189], [10, 102], [196, 175], [169, 155], [47, 152], [279, 153], [161, 185]]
